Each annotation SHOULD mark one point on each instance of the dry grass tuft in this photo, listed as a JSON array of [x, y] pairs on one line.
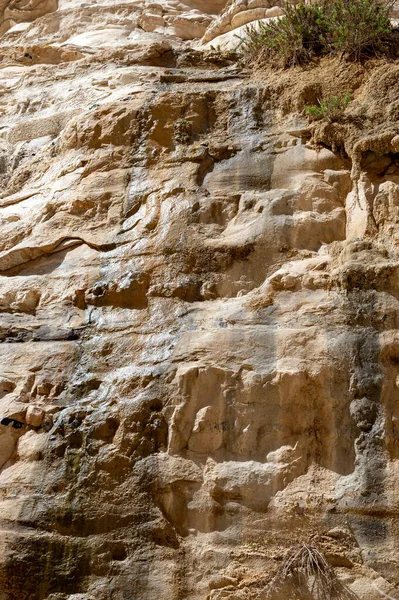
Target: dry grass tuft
[[305, 574]]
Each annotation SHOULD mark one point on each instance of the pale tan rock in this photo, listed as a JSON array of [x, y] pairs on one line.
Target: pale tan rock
[[256, 4], [35, 416], [6, 386], [187, 27], [150, 21], [274, 11], [236, 14], [13, 11], [32, 446], [198, 314], [242, 18]]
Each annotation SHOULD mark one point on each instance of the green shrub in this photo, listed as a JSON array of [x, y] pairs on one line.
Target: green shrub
[[182, 131], [360, 27], [290, 40], [330, 108], [354, 28]]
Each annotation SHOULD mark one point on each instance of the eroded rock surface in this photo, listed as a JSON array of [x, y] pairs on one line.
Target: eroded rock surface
[[238, 13], [198, 316]]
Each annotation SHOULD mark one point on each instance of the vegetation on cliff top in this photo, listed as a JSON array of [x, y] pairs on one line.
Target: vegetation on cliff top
[[350, 28]]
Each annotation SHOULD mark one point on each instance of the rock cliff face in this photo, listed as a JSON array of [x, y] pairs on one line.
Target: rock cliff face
[[198, 311]]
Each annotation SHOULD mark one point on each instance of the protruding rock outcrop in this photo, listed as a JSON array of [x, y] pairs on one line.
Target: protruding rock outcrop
[[241, 12]]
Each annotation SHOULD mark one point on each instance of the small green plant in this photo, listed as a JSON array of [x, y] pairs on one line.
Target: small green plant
[[350, 28], [330, 108], [182, 131]]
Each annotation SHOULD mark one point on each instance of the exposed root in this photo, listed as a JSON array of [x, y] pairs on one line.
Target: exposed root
[[305, 574]]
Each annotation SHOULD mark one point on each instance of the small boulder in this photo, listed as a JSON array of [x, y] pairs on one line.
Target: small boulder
[[35, 416]]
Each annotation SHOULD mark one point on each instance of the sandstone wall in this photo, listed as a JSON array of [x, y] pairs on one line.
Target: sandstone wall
[[198, 319]]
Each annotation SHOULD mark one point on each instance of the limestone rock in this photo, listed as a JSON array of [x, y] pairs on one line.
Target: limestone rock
[[239, 13], [35, 416], [198, 310]]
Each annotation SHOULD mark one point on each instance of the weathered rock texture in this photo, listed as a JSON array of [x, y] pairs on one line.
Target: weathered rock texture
[[198, 312], [238, 13]]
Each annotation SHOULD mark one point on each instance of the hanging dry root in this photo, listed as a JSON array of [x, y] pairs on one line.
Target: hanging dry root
[[306, 575]]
